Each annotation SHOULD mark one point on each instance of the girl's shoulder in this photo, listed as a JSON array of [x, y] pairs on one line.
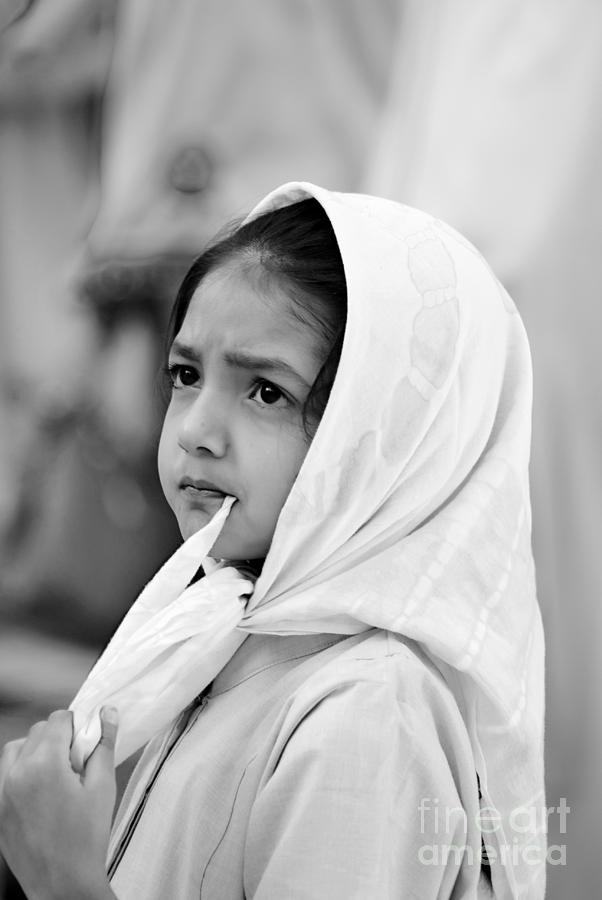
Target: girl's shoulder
[[389, 666], [377, 687]]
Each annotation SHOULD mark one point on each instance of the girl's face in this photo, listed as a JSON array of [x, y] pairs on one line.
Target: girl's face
[[241, 370]]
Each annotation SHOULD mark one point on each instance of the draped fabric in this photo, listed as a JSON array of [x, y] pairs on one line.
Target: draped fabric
[[411, 510]]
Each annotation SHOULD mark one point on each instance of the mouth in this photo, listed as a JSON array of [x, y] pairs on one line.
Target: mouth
[[200, 488]]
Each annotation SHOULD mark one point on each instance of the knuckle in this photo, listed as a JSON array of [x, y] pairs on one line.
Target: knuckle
[[26, 777], [36, 729], [10, 752], [9, 748]]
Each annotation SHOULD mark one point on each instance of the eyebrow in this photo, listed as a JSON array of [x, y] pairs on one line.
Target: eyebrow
[[243, 360]]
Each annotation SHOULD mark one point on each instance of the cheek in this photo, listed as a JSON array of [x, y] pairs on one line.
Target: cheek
[[164, 456], [280, 471]]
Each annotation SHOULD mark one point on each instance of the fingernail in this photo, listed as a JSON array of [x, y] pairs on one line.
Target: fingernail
[[110, 715]]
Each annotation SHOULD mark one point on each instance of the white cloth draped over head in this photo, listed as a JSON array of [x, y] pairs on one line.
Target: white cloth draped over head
[[410, 513]]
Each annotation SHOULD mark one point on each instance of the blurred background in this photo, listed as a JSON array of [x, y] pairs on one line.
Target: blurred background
[[130, 131]]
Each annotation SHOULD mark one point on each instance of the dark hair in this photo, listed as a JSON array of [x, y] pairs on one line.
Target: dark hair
[[297, 247]]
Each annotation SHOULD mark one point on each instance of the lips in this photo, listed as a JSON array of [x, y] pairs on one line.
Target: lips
[[203, 487]]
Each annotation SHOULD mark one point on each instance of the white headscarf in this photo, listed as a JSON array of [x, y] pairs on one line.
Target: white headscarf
[[410, 513]]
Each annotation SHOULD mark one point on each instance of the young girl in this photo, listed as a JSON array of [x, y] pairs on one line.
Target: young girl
[[339, 673]]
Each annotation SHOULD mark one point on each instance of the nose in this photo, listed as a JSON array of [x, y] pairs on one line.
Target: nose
[[203, 425]]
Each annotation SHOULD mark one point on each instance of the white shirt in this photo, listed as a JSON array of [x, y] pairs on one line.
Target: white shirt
[[316, 767]]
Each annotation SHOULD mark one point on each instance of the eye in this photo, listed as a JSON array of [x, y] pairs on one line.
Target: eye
[[267, 394], [181, 375]]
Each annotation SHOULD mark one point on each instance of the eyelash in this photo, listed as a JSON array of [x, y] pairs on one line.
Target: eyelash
[[175, 369], [172, 371]]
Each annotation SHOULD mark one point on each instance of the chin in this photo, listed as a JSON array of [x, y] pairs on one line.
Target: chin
[[225, 547], [190, 524], [229, 547]]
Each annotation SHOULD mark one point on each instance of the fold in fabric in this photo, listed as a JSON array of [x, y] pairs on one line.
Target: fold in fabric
[[174, 638]]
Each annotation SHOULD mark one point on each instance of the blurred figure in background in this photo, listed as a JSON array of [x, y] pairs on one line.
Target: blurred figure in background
[[494, 122], [49, 104], [48, 164]]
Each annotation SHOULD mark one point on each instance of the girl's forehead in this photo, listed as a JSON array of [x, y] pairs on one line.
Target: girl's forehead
[[231, 301], [230, 318]]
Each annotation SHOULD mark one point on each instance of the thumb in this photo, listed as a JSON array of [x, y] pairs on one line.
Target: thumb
[[102, 760]]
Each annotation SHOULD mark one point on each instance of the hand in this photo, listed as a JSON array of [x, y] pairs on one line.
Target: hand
[[54, 823]]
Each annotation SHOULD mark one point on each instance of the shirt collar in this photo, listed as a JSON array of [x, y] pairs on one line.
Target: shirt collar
[[262, 651]]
